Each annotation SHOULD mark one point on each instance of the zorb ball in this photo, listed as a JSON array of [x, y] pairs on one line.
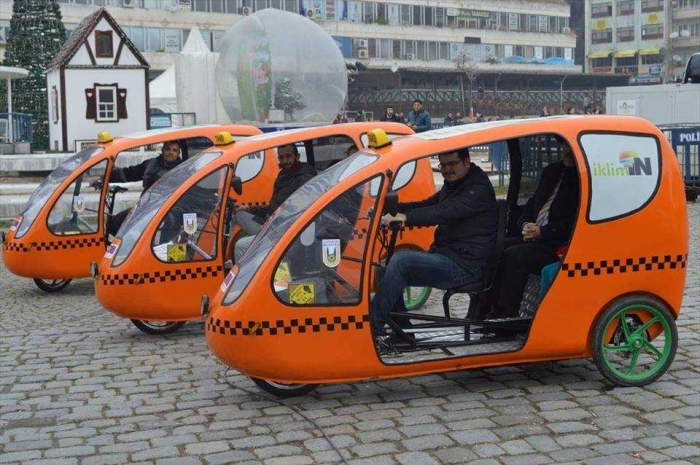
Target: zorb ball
[[281, 60]]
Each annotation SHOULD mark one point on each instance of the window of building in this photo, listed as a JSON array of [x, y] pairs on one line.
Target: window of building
[[601, 62], [652, 59], [429, 18], [625, 34], [420, 50], [652, 5], [627, 61], [382, 16], [396, 49], [405, 15], [688, 4], [138, 37], [601, 10], [513, 22], [444, 50], [417, 15], [368, 10], [106, 103], [625, 7], [155, 40], [603, 36], [103, 44], [439, 17], [652, 31]]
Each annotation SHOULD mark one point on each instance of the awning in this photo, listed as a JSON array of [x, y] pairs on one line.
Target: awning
[[600, 54], [650, 51], [625, 53]]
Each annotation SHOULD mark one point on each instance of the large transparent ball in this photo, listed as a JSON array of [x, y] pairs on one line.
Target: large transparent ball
[[278, 58]]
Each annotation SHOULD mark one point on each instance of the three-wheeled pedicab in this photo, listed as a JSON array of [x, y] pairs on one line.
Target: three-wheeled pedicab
[[178, 243], [616, 296], [64, 225]]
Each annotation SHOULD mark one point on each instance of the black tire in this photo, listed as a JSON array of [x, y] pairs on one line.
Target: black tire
[[158, 327], [52, 285], [282, 389], [617, 346]]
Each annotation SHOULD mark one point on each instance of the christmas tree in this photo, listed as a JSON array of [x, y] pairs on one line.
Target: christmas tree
[[287, 99], [36, 35]]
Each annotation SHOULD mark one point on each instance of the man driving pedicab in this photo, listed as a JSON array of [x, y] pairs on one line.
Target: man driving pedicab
[[465, 213]]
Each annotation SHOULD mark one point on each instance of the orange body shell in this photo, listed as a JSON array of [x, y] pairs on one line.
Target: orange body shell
[[145, 288], [41, 254], [642, 253]]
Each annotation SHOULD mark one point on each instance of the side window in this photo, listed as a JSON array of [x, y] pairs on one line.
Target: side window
[[197, 144], [404, 175], [189, 230], [250, 166], [77, 209], [324, 263], [330, 150], [624, 172]]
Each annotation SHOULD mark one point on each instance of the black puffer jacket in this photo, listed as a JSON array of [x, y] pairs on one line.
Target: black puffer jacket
[[466, 217], [149, 171], [286, 183]]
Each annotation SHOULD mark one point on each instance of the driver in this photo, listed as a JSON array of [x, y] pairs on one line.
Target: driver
[[149, 171], [464, 211], [293, 174]]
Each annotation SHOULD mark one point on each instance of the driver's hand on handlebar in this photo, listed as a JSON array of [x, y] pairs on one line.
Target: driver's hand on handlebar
[[97, 183], [386, 219]]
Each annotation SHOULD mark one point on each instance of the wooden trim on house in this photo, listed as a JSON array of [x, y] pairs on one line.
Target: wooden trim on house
[[119, 52], [112, 67], [64, 121], [148, 100], [89, 50]]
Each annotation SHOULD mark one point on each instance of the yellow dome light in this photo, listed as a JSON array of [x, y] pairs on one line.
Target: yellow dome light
[[377, 139]]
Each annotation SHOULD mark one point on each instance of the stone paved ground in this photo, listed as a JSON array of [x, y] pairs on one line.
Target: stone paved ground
[[78, 385]]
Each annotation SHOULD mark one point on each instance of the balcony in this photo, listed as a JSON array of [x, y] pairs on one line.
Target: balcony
[[690, 41]]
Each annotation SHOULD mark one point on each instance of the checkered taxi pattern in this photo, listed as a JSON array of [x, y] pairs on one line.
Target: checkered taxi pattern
[[179, 274], [627, 265], [362, 233], [55, 245], [284, 327]]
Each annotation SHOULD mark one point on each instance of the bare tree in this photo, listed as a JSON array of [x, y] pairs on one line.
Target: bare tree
[[467, 67]]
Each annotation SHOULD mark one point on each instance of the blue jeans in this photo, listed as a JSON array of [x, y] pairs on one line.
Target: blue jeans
[[412, 268]]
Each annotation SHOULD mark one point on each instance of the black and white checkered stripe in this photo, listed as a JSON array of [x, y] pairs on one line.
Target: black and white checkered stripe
[[285, 327], [623, 265], [55, 245], [161, 276]]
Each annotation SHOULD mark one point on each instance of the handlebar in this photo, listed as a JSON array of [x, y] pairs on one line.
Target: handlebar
[[117, 189]]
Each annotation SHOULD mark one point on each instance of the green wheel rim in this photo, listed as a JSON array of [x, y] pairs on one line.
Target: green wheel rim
[[634, 357], [415, 297]]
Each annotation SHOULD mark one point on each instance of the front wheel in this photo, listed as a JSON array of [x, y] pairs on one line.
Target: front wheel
[[415, 297], [158, 327], [282, 389], [52, 285], [634, 341]]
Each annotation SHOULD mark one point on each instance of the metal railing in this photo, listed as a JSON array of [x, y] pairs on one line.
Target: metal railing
[[16, 127]]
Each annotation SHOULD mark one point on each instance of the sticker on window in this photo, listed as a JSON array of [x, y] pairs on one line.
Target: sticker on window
[[227, 282], [15, 224], [111, 250], [177, 253], [79, 203], [331, 252], [189, 223], [302, 293], [624, 172]]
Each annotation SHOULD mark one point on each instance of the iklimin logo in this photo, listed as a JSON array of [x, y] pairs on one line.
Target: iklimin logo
[[629, 163]]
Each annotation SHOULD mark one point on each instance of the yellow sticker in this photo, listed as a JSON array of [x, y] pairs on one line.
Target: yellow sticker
[[177, 252], [282, 275], [302, 293]]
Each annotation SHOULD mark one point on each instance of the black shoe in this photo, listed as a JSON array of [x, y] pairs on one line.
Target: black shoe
[[401, 338]]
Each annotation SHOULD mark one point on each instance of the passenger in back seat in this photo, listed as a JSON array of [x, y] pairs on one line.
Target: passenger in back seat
[[546, 222]]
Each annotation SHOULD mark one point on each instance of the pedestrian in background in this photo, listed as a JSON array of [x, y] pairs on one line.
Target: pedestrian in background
[[418, 118]]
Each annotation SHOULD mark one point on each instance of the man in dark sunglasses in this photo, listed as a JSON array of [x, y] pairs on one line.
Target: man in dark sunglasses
[[464, 211]]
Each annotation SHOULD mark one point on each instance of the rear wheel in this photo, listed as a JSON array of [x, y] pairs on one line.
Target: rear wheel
[[415, 297], [52, 285], [283, 389], [158, 327], [634, 341]]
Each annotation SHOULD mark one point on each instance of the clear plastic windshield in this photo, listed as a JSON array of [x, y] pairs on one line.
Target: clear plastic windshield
[[285, 216], [154, 198], [41, 195]]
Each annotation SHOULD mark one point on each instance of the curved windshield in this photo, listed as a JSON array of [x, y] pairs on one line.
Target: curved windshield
[[287, 214], [42, 193], [154, 198]]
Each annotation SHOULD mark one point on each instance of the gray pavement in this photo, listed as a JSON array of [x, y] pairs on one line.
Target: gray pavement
[[79, 385]]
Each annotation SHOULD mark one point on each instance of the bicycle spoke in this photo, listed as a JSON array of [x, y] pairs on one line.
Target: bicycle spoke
[[623, 348], [646, 326], [623, 323], [652, 349], [633, 362]]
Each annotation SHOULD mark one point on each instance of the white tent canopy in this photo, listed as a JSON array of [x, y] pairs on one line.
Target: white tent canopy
[[163, 92]]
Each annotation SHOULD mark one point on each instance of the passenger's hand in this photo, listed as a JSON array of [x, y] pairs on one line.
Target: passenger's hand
[[241, 208], [386, 219], [531, 232]]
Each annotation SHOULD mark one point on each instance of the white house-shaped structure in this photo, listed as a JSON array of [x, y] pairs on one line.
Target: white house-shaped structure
[[98, 81]]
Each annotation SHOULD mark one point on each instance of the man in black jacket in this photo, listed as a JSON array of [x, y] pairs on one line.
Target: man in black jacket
[[389, 115], [464, 211], [545, 224], [293, 174], [149, 172]]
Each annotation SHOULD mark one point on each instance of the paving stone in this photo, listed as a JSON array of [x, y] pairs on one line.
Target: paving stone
[[432, 441]]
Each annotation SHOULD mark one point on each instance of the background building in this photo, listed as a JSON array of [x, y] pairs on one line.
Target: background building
[[644, 39], [521, 46]]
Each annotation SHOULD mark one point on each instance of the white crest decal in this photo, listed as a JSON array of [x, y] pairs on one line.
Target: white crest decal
[[189, 223], [111, 250], [331, 252], [79, 203]]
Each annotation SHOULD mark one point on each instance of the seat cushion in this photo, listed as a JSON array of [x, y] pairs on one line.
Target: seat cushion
[[473, 287]]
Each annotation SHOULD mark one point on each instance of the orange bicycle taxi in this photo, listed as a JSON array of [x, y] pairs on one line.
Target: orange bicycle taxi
[[64, 226], [615, 297], [177, 245]]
